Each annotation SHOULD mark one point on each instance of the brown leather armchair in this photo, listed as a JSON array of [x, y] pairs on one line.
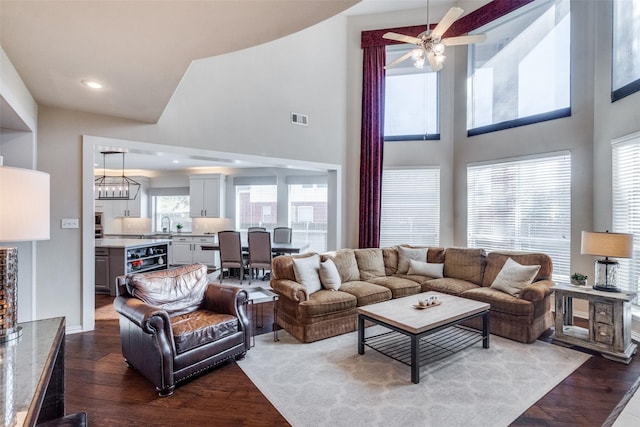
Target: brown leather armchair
[[174, 324]]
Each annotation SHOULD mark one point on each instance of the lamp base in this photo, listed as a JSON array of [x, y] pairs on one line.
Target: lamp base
[[606, 288], [10, 336]]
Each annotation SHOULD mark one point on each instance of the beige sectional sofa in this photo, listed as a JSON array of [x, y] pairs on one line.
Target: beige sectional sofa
[[312, 312]]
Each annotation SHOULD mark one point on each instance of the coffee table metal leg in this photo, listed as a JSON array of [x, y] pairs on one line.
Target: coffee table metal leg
[[485, 330], [360, 334], [415, 359]]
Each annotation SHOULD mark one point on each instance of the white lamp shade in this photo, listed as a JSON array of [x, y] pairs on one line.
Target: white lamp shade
[[24, 205], [616, 245]]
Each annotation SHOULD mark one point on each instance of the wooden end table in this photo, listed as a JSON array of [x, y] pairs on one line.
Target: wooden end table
[[609, 330]]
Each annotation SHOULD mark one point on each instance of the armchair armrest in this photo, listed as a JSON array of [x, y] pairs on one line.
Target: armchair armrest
[[148, 318], [290, 289], [537, 291], [229, 300]]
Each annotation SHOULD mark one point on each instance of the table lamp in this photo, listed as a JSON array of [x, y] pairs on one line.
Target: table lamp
[[24, 216], [619, 245]]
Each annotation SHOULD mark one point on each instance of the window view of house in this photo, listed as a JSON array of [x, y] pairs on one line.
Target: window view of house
[[308, 214], [256, 206], [522, 73], [411, 100], [410, 213], [524, 205], [168, 211]]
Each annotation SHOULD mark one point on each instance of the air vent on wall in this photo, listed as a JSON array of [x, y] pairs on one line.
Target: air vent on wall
[[299, 119]]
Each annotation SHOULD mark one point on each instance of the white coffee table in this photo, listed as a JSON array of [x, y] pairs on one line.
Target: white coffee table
[[422, 335]]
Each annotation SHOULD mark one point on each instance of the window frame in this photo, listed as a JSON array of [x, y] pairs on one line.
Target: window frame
[[415, 137], [631, 87], [520, 121]]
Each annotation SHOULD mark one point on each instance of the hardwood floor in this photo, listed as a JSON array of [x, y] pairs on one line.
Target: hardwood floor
[[99, 383]]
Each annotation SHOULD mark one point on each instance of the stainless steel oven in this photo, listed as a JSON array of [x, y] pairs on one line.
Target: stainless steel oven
[[98, 225]]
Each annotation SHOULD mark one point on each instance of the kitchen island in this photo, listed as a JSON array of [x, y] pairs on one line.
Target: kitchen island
[[117, 257]]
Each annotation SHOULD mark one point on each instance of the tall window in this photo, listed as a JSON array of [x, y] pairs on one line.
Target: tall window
[[521, 74], [411, 100], [170, 206], [626, 205], [256, 206], [410, 211], [522, 204], [625, 75], [308, 212]]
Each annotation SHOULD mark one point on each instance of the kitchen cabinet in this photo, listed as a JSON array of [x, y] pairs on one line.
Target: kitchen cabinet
[[136, 208], [188, 250], [102, 271], [206, 194], [117, 257]]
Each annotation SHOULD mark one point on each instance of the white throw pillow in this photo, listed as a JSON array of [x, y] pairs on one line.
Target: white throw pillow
[[406, 254], [306, 271], [429, 269], [329, 275], [513, 277]]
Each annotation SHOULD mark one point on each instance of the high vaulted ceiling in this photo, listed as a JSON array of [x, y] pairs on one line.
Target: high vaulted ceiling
[[139, 49]]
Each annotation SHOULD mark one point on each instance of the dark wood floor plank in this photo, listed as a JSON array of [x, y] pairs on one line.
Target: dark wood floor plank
[[99, 383]]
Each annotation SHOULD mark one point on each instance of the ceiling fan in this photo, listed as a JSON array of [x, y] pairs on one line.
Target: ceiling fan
[[430, 44]]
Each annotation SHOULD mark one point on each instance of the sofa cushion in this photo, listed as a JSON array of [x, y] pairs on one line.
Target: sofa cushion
[[429, 269], [329, 275], [191, 330], [399, 286], [370, 263], [345, 262], [177, 290], [501, 301], [448, 285], [406, 254], [514, 277], [465, 264], [307, 272], [326, 302], [366, 293], [495, 261]]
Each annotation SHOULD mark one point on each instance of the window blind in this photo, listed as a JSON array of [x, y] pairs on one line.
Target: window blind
[[522, 204], [410, 207], [626, 205]]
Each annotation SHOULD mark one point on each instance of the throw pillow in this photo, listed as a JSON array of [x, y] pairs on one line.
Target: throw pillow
[[345, 261], [429, 269], [405, 254], [514, 277], [306, 272], [329, 275], [370, 263]]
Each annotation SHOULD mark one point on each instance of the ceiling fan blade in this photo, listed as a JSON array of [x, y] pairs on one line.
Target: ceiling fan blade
[[402, 38], [446, 21], [435, 65], [399, 60], [456, 41]]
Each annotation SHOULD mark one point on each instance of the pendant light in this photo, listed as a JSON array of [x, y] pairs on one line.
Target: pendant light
[[115, 187]]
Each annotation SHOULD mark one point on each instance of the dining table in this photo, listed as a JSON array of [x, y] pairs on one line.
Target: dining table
[[279, 248]]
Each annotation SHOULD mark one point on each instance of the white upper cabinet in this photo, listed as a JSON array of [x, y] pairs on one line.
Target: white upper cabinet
[[137, 208], [207, 193]]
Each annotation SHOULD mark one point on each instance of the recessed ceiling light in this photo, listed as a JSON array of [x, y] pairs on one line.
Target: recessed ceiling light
[[92, 84], [176, 161]]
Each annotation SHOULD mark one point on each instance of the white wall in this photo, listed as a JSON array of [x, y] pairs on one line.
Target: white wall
[[303, 72]]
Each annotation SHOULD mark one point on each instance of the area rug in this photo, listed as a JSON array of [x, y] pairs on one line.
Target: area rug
[[326, 383]]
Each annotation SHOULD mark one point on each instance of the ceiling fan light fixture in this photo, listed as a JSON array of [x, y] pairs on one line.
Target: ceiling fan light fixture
[[419, 63], [438, 48]]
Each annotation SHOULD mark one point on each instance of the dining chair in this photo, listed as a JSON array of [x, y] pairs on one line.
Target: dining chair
[[250, 229], [282, 234], [230, 253], [259, 253]]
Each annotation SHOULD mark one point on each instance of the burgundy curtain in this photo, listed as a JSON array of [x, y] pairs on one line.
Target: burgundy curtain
[[372, 145]]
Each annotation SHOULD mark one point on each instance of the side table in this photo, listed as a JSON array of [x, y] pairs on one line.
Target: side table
[[257, 296], [609, 330]]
